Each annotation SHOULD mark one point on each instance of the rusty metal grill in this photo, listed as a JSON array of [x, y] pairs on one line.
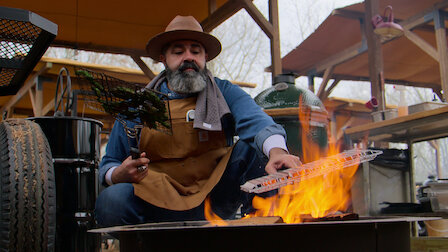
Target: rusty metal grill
[[24, 38]]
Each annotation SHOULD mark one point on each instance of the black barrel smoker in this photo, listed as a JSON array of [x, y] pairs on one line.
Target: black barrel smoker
[[75, 146], [284, 101]]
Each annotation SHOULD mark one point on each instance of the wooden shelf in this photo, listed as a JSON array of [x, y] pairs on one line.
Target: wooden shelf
[[420, 126]]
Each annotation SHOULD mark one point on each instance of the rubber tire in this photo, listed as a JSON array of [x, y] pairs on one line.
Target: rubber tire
[[27, 188]]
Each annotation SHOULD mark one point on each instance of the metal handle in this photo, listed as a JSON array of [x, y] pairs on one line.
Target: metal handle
[[66, 90], [135, 153]]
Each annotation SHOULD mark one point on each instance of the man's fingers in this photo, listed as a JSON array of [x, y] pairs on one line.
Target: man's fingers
[[141, 175], [270, 170]]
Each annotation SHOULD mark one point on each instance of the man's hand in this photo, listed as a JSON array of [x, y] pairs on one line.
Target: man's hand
[[279, 158], [127, 172]]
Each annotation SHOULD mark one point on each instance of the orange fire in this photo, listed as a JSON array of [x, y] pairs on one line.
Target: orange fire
[[211, 216], [316, 197]]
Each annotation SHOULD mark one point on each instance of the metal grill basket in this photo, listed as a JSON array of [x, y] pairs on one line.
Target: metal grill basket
[[126, 101]]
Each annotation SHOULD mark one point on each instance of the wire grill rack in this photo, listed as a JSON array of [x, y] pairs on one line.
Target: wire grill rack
[[310, 170]]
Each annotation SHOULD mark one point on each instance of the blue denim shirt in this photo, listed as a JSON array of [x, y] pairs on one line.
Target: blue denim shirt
[[251, 124]]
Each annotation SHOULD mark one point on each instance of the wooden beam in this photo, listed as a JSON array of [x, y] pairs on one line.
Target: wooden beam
[[33, 101], [348, 14], [24, 89], [244, 84], [327, 75], [276, 59], [261, 21], [442, 48], [422, 44], [36, 97], [270, 28], [375, 55], [211, 6], [221, 14], [328, 91], [39, 95], [49, 106], [143, 66]]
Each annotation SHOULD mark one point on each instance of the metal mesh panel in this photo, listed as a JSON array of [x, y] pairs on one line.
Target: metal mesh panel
[[17, 38], [6, 76], [24, 38]]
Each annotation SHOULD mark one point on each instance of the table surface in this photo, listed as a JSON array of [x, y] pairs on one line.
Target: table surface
[[420, 126]]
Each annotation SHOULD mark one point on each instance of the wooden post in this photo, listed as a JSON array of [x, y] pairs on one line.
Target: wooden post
[[442, 48], [435, 144], [275, 39], [327, 75], [39, 96], [311, 82], [375, 54], [211, 6]]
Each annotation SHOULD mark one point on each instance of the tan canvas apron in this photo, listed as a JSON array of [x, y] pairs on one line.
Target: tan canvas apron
[[184, 166]]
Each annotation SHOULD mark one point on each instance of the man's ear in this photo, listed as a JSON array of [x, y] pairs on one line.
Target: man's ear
[[162, 59], [206, 56]]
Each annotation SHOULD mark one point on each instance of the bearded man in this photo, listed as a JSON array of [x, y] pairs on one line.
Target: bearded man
[[199, 160]]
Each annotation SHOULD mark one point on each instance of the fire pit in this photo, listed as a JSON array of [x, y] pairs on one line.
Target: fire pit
[[365, 234]]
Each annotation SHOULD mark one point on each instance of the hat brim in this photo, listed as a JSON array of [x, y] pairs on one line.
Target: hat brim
[[210, 43]]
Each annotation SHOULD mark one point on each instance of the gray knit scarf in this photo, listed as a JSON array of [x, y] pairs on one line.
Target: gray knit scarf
[[210, 104]]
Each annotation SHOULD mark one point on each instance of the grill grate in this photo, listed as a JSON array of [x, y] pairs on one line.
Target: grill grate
[[24, 38]]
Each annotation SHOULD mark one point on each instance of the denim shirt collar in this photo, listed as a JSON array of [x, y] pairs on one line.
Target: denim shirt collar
[[171, 94]]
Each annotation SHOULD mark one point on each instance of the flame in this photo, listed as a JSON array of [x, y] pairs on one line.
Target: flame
[[316, 197], [211, 216]]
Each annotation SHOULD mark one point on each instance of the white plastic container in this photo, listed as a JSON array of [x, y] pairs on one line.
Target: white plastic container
[[438, 196], [402, 104], [384, 115]]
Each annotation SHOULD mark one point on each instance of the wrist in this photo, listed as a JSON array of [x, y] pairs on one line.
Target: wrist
[[277, 151]]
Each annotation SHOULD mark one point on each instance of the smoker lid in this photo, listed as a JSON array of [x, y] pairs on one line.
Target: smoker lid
[[287, 95]]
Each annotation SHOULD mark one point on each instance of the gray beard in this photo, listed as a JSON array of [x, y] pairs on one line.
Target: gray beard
[[186, 82]]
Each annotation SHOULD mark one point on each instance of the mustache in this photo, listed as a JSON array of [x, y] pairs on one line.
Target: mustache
[[189, 64]]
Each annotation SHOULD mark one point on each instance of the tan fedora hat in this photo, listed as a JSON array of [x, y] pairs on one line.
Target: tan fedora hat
[[183, 28]]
